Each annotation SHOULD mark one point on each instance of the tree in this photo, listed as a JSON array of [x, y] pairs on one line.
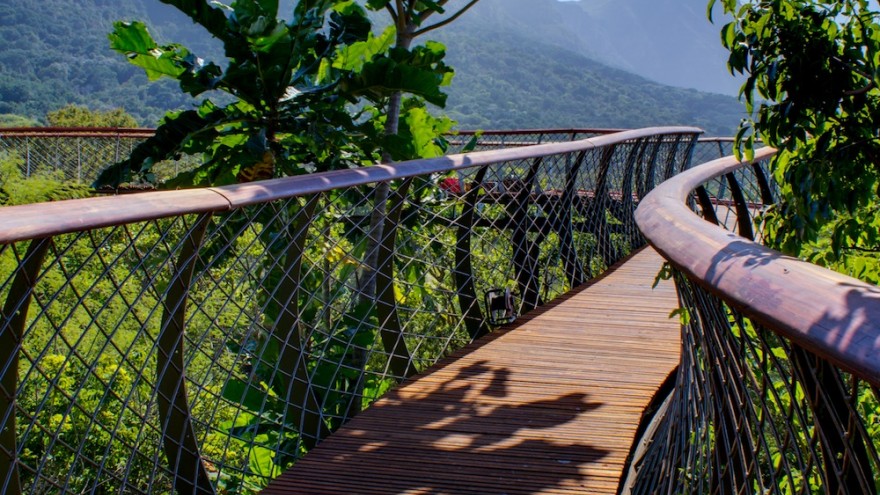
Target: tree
[[409, 19], [13, 120], [812, 89], [296, 88], [275, 109], [80, 116]]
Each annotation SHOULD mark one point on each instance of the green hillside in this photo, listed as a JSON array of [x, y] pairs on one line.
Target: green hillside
[[58, 54], [667, 41], [512, 83]]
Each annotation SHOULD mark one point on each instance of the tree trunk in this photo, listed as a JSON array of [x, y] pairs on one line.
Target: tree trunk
[[367, 279]]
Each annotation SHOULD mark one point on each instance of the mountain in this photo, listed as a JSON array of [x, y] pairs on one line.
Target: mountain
[[668, 41], [509, 82], [519, 63], [57, 54]]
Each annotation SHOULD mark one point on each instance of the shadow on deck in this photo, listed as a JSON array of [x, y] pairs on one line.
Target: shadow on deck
[[549, 404]]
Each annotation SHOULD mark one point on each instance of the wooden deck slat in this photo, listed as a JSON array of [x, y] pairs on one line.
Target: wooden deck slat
[[549, 405]]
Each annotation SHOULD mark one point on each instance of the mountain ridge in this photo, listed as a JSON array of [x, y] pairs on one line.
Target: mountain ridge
[[505, 77]]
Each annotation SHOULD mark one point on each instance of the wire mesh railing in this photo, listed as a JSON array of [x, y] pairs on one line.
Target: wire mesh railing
[[499, 139], [79, 154], [777, 391], [201, 341]]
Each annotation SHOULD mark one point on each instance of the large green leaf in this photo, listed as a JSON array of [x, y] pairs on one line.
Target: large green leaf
[[201, 12], [134, 41], [353, 57], [419, 72]]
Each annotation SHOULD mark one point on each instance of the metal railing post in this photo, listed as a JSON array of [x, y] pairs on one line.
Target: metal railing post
[[178, 436], [390, 330], [15, 317]]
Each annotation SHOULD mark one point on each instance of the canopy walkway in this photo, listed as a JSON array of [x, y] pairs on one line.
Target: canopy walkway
[[475, 323], [549, 404]]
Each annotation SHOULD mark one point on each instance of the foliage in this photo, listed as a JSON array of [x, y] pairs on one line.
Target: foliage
[[80, 116], [56, 55], [811, 92], [812, 70], [296, 88], [83, 372], [44, 185], [13, 120], [284, 116]]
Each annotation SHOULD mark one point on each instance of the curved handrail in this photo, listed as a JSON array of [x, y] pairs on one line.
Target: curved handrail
[[521, 132], [148, 131], [47, 219], [78, 153], [835, 316], [778, 380]]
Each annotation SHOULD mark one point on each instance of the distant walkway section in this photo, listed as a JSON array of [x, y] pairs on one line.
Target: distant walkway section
[[548, 405]]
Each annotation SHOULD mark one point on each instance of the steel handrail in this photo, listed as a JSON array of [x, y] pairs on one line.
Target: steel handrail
[[35, 221], [834, 316]]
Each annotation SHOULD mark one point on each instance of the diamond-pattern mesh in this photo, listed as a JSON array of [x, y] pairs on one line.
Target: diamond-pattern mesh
[[752, 412], [79, 154], [489, 140], [205, 353]]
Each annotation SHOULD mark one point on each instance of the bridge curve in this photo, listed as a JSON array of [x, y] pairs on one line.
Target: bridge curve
[[779, 384], [203, 341]]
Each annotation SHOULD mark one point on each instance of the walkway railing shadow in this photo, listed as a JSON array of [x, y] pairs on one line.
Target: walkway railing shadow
[[202, 341], [778, 386]]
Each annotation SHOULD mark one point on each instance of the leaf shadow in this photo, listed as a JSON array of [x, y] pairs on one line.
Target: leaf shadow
[[468, 434]]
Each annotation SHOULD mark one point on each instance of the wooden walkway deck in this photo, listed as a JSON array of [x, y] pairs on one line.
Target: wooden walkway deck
[[548, 405]]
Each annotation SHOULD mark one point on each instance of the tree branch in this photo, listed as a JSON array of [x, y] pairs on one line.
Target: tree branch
[[420, 18], [861, 249], [855, 70], [391, 11], [447, 20], [410, 9], [861, 91]]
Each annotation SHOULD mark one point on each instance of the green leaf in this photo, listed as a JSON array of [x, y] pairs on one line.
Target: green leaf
[[684, 316], [134, 41], [377, 4], [354, 56], [665, 273], [472, 142], [248, 395], [201, 12], [419, 72]]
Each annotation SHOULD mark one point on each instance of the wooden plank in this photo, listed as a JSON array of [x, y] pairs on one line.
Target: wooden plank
[[547, 405]]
